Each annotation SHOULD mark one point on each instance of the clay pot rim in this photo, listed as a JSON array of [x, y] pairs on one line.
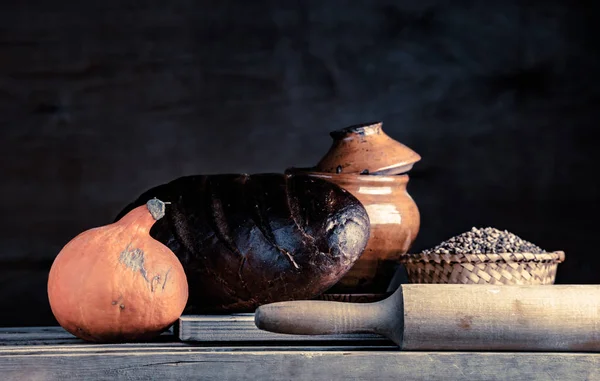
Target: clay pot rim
[[358, 129], [352, 177]]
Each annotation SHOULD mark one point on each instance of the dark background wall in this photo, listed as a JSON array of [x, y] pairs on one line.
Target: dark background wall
[[102, 100]]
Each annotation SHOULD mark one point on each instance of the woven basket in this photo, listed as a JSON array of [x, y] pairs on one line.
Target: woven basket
[[510, 268]]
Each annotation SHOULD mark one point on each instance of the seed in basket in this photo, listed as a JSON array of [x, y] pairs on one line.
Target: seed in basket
[[485, 241], [483, 256]]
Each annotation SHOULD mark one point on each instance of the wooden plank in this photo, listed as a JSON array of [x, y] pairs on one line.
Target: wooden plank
[[36, 336], [206, 330], [56, 338], [199, 363], [52, 336], [302, 360], [241, 328]]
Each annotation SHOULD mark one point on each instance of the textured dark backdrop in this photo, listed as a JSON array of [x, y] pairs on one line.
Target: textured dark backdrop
[[101, 101]]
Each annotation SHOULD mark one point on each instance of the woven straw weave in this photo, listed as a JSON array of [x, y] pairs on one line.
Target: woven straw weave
[[509, 268]]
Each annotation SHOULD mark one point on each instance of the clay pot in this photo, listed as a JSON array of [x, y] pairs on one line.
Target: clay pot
[[366, 149], [395, 223], [372, 166]]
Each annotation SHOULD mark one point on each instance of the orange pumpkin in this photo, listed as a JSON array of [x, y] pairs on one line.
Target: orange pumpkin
[[116, 283]]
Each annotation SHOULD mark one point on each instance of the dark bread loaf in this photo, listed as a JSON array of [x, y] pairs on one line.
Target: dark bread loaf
[[247, 240]]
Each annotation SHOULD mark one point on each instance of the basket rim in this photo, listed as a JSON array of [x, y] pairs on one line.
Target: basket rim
[[547, 257]]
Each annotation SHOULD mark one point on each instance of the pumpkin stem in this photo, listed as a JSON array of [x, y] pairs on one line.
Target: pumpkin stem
[[156, 208]]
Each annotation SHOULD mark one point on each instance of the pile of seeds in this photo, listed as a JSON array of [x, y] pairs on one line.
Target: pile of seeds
[[485, 241]]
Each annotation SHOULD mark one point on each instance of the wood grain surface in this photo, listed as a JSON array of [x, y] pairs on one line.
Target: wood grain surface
[[46, 360]]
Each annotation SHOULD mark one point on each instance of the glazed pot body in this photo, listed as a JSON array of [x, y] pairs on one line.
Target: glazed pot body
[[394, 225]]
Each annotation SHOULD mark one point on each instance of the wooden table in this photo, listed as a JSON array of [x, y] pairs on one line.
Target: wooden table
[[50, 353]]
